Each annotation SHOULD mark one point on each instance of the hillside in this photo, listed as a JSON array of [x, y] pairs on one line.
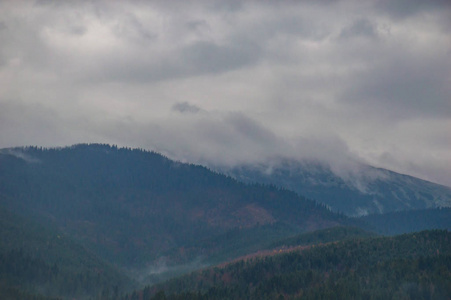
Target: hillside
[[357, 192], [323, 236], [413, 266], [409, 221], [38, 259], [80, 221], [134, 207]]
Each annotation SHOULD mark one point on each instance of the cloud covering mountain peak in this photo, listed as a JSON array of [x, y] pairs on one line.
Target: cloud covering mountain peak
[[223, 83]]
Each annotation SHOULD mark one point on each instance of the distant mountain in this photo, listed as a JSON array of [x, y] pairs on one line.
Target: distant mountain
[[139, 209], [414, 266], [358, 192]]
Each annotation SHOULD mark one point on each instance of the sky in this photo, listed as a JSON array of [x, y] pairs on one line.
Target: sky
[[231, 82]]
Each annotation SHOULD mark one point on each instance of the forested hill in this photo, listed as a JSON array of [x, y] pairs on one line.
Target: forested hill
[[37, 259], [411, 266], [132, 206], [409, 221]]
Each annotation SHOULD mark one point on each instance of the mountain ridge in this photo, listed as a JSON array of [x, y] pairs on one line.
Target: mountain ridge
[[359, 191], [130, 205], [153, 218]]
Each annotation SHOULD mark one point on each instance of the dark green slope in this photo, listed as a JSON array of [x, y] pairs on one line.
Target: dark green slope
[[409, 221], [37, 259], [133, 207], [323, 236], [260, 241], [412, 266]]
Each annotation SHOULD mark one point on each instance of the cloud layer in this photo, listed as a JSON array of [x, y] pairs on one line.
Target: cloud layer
[[219, 82]]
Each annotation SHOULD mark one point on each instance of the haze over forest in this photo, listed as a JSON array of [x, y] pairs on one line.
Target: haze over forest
[[223, 83]]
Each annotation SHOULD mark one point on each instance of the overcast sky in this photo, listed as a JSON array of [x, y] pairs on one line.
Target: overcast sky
[[227, 82]]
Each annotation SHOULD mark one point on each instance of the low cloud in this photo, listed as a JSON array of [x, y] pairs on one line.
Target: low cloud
[[19, 154], [226, 83]]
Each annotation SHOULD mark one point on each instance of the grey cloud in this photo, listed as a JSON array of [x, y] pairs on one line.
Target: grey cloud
[[406, 8], [133, 30], [27, 124], [227, 139], [403, 88], [197, 24], [211, 58], [49, 3], [185, 107], [200, 58], [288, 21], [359, 28], [210, 138], [77, 30], [291, 24], [229, 6], [229, 82], [250, 129]]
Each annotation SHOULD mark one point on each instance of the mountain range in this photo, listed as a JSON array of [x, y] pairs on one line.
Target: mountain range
[[122, 217], [133, 206], [356, 191]]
